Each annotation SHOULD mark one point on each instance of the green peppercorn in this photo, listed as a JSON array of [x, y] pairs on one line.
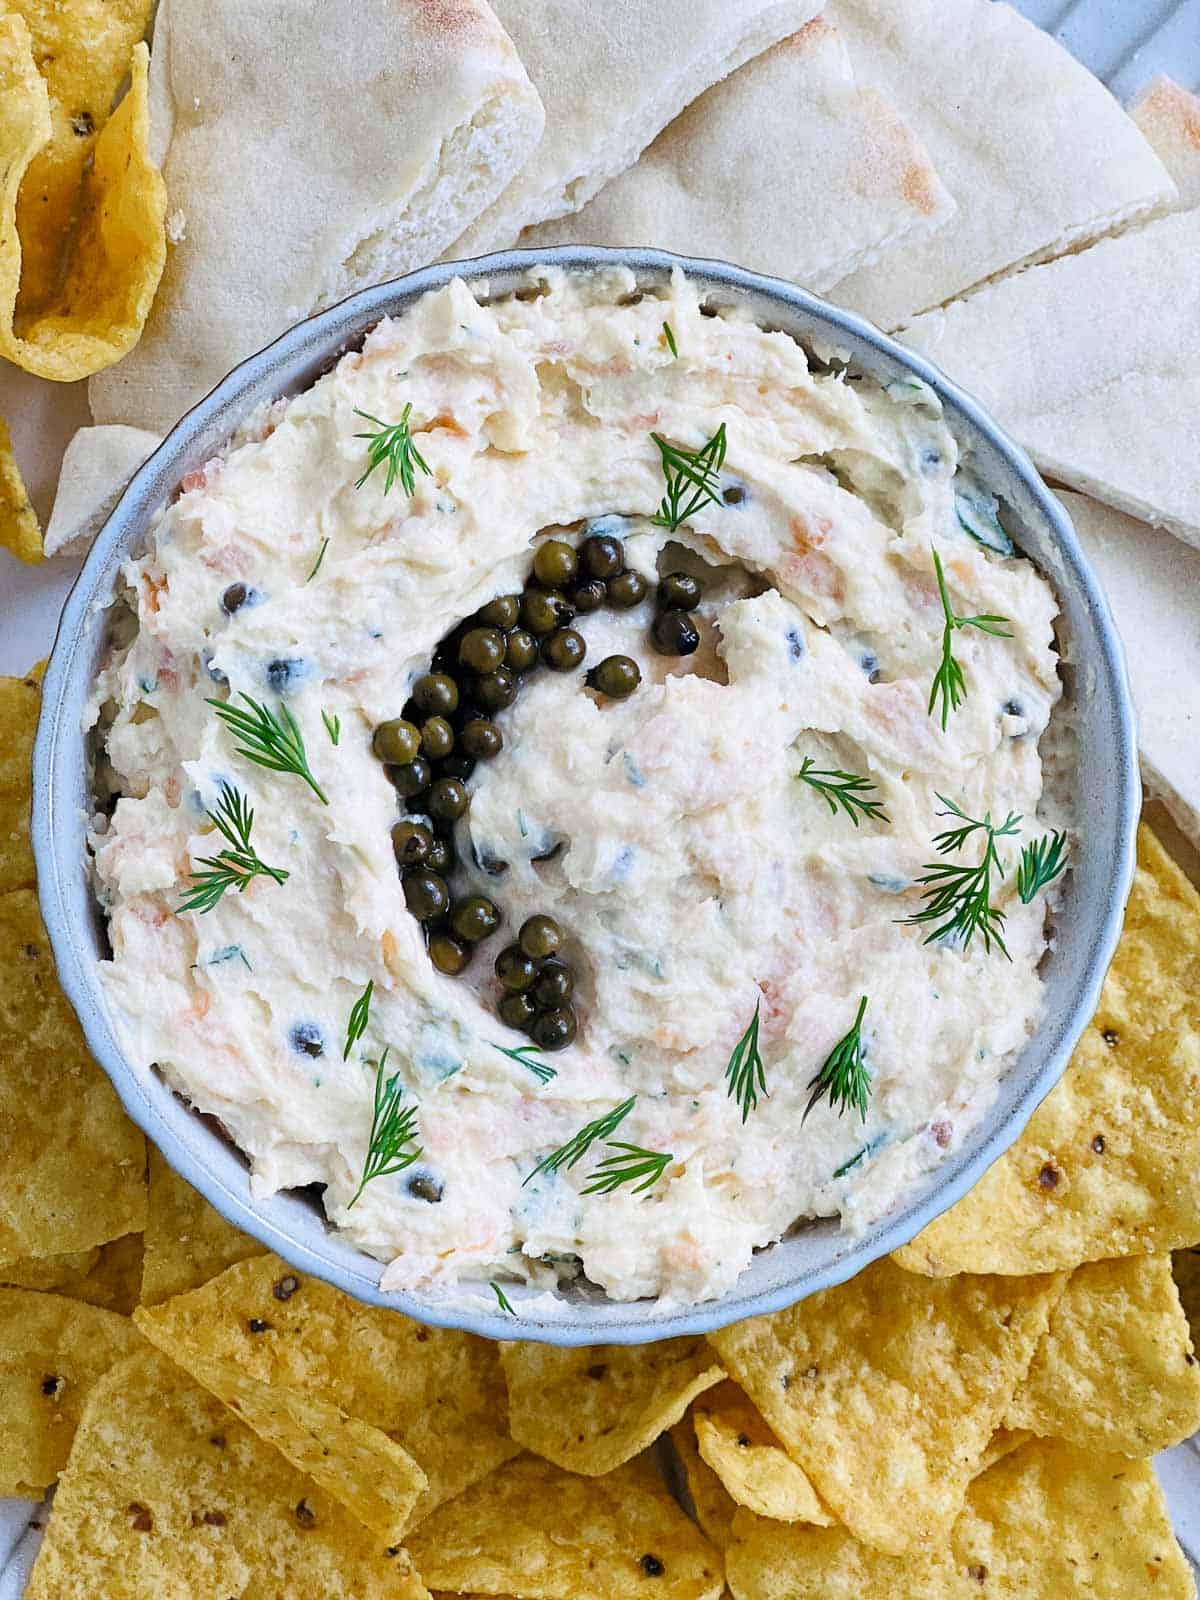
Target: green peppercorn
[[616, 677], [515, 969], [540, 936], [426, 895], [437, 738], [447, 799], [555, 563], [603, 557], [482, 739], [554, 986], [412, 842], [678, 591], [501, 612], [626, 590], [496, 690], [396, 741], [588, 596], [520, 650], [441, 857], [673, 633], [517, 1010], [554, 1030], [563, 650], [474, 918], [436, 694], [456, 765], [410, 778], [449, 955], [543, 610], [482, 649]]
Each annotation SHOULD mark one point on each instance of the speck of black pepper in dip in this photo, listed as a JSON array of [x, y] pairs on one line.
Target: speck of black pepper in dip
[[1098, 1144], [1048, 1177], [50, 1384], [652, 1566], [140, 1517], [305, 1515], [258, 1325], [1111, 1038], [286, 1287]]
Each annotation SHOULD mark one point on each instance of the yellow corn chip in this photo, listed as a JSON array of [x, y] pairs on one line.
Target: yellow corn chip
[[109, 1276], [119, 248], [167, 1496], [749, 1460], [82, 51], [1185, 1265], [705, 1496], [1108, 1163], [887, 1390], [591, 1409], [19, 529], [1003, 1442], [187, 1241], [50, 1274], [74, 1165], [534, 1530], [52, 1352], [1115, 1370], [20, 702], [437, 1393]]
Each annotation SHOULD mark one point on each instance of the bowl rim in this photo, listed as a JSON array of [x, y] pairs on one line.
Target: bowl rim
[[336, 329]]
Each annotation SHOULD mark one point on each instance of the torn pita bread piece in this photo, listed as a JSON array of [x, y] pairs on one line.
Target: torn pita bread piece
[[272, 217], [97, 465], [1034, 149], [608, 97], [786, 167], [1093, 363], [1169, 116], [1152, 581]]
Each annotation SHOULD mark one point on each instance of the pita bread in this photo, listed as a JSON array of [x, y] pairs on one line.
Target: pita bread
[[1170, 119], [786, 167], [298, 173], [97, 465], [606, 100], [1093, 363], [1152, 582], [1033, 148]]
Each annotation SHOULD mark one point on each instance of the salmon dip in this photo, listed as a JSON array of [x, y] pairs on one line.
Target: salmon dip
[[570, 785]]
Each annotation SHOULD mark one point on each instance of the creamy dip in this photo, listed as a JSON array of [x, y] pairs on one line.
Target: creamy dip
[[696, 878]]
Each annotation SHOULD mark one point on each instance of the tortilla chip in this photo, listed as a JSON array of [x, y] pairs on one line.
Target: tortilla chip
[[697, 1487], [19, 529], [1185, 1265], [887, 1390], [109, 1276], [119, 245], [20, 703], [1003, 1442], [545, 1534], [57, 1274], [167, 1496], [74, 1165], [1115, 1370], [82, 51], [749, 1460], [1047, 1520], [589, 1410], [275, 1326], [52, 1352], [187, 1240], [1108, 1163]]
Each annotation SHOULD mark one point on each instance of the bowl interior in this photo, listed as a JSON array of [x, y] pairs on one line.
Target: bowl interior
[[1101, 775]]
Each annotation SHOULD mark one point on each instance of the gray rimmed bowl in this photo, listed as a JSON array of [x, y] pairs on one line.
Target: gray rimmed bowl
[[1101, 778]]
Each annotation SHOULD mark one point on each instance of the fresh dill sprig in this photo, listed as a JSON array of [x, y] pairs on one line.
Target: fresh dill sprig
[[949, 684], [628, 1164], [235, 867], [333, 727], [523, 1055], [844, 790], [1041, 863], [501, 1298], [844, 1076], [960, 897], [392, 1127], [318, 561], [392, 442], [669, 336], [269, 739], [567, 1155], [684, 470], [360, 1015], [744, 1074]]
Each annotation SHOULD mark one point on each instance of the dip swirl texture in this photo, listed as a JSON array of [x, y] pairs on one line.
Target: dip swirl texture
[[698, 881]]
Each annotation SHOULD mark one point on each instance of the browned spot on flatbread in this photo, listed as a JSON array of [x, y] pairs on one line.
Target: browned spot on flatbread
[[808, 38], [917, 187], [1170, 106], [456, 21]]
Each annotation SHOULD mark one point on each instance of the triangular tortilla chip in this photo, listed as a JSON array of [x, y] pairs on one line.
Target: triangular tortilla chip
[[1115, 1369], [1169, 117], [749, 1460], [705, 1496], [1035, 151], [787, 167], [109, 1276], [593, 1408], [167, 1496], [888, 1395], [532, 1529], [281, 1327], [1108, 1163], [187, 1241], [19, 529], [20, 704]]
